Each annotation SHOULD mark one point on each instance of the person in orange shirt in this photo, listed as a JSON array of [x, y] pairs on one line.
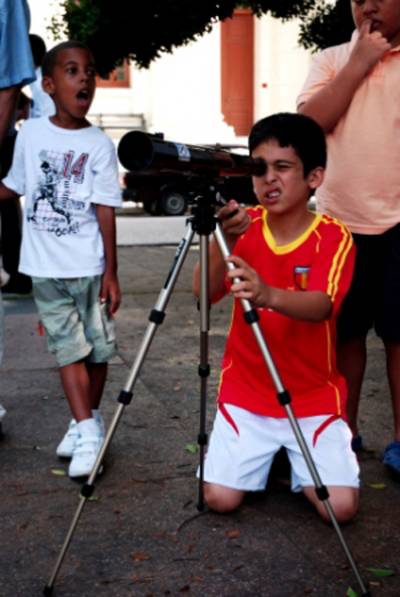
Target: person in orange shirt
[[352, 91], [295, 267]]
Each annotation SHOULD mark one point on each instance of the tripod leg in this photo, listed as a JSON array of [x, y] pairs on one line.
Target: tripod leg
[[156, 317], [283, 396], [204, 367]]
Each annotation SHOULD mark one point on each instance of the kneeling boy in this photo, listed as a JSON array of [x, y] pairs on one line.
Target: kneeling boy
[[295, 267]]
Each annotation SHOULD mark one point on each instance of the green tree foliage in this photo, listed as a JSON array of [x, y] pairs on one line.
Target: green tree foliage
[[327, 26], [142, 31]]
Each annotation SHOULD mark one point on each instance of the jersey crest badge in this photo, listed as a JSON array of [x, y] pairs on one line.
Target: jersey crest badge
[[301, 276]]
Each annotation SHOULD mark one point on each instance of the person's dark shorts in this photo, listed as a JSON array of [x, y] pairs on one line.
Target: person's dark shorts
[[374, 296]]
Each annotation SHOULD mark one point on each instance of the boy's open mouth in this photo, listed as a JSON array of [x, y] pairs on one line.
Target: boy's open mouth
[[83, 95], [272, 195]]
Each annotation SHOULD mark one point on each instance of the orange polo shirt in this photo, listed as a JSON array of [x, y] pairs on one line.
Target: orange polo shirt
[[322, 259], [362, 181]]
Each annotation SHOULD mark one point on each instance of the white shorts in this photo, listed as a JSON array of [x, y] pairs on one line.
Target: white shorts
[[241, 458]]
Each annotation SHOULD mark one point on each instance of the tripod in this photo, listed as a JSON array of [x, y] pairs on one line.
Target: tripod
[[203, 222]]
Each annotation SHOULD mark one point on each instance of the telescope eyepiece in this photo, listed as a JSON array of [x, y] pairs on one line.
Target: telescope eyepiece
[[259, 167]]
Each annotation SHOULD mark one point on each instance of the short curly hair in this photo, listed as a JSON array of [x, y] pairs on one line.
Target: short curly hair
[[296, 130], [50, 58]]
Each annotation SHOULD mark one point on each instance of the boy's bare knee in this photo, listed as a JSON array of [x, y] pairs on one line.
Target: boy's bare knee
[[344, 512], [222, 499], [343, 500]]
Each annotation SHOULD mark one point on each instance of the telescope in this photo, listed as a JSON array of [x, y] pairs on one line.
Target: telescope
[[141, 151]]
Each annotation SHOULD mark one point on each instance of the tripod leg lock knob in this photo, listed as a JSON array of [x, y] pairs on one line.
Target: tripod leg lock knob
[[251, 316], [204, 370], [284, 398], [156, 316], [87, 490], [125, 397], [202, 439], [322, 493]]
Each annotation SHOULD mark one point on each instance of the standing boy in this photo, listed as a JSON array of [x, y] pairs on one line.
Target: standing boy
[[353, 92], [69, 245], [295, 267]]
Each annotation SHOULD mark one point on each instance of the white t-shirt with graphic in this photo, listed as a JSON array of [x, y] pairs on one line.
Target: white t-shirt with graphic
[[63, 173]]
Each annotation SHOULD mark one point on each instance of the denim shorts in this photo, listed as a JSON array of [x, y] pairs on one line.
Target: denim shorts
[[77, 325]]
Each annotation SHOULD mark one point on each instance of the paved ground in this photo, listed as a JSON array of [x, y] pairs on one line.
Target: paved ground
[[141, 534], [142, 230]]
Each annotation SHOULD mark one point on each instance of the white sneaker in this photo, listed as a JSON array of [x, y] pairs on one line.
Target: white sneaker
[[66, 447], [100, 422], [84, 456]]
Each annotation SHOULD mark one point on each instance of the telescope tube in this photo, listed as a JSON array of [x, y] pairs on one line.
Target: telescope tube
[[140, 151]]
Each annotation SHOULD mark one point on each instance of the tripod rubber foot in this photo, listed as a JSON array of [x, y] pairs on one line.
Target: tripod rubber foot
[[48, 590]]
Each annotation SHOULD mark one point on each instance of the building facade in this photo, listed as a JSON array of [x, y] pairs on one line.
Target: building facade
[[209, 91]]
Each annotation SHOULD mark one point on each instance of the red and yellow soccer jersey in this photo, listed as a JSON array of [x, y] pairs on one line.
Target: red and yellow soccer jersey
[[322, 259]]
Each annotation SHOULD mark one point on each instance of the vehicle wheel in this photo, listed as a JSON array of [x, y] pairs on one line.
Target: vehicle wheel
[[173, 203]]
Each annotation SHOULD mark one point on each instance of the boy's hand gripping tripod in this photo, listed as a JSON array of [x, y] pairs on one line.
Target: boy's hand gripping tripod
[[203, 222]]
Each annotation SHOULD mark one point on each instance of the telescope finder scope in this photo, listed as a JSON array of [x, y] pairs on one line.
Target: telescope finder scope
[[140, 151]]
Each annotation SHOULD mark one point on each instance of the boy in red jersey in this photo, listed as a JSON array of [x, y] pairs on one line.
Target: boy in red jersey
[[295, 267]]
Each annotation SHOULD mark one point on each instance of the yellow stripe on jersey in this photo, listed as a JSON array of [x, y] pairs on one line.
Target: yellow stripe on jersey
[[317, 246], [341, 264], [339, 259], [221, 376], [329, 355], [225, 369], [337, 396], [328, 346]]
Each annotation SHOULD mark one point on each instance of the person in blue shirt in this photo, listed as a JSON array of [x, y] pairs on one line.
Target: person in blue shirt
[[16, 70]]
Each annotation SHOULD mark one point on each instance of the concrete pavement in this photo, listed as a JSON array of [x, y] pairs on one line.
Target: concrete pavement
[[141, 534], [154, 230]]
